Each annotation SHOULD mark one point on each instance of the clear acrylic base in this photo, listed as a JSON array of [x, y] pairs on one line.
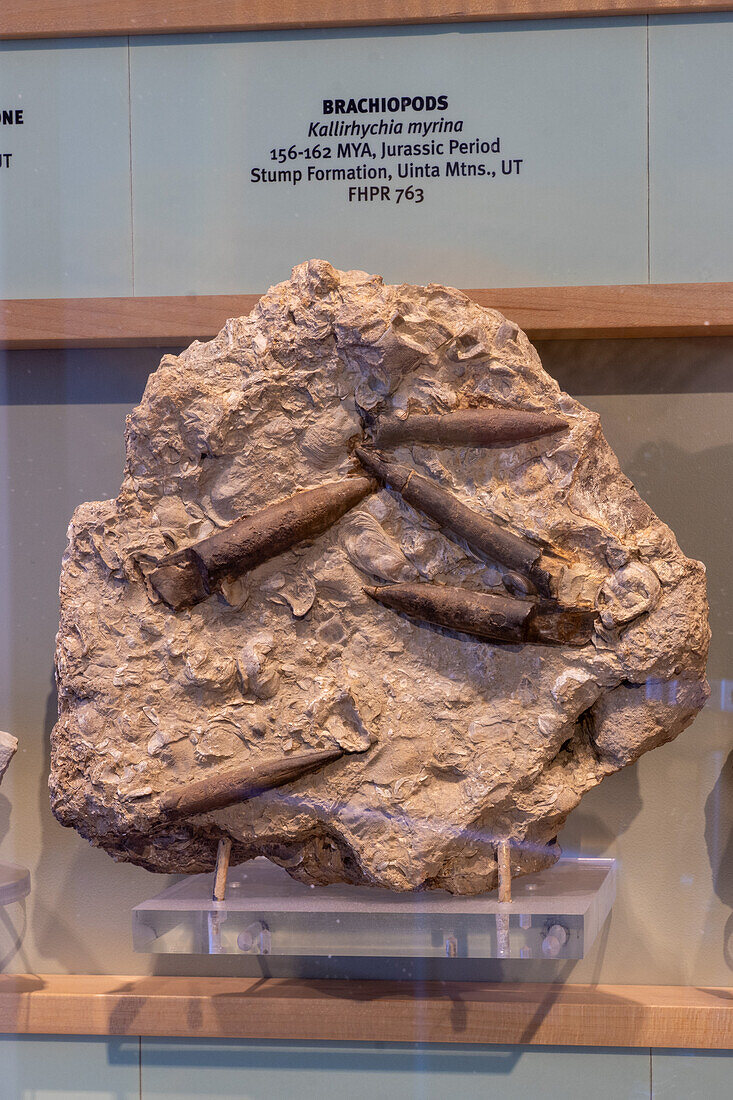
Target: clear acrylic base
[[15, 883], [555, 913]]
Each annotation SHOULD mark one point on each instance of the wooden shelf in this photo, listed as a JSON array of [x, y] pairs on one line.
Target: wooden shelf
[[546, 313], [430, 1012], [116, 322], [72, 18]]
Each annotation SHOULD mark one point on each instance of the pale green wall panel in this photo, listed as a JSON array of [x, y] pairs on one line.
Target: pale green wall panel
[[692, 1075], [34, 1067], [691, 148], [213, 1070], [65, 217], [567, 97]]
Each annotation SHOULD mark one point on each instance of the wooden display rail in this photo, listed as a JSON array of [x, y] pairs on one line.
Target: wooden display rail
[[546, 313], [373, 1011], [62, 18]]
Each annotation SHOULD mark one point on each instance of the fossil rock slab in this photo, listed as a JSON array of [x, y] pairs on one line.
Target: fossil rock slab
[[438, 744], [8, 747]]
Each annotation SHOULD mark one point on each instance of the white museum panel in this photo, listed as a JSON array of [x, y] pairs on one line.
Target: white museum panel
[[533, 134]]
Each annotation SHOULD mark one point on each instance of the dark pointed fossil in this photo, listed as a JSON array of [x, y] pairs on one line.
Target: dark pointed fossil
[[189, 576], [497, 427], [480, 532], [238, 784], [497, 618]]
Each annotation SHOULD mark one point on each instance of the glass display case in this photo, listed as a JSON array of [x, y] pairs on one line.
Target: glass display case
[[504, 818]]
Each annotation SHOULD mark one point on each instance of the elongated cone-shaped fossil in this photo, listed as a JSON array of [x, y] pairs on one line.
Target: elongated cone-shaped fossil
[[479, 532], [498, 618], [238, 784], [189, 576], [467, 428]]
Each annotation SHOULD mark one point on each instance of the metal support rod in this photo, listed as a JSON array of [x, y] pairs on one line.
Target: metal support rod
[[503, 860], [223, 853], [503, 863]]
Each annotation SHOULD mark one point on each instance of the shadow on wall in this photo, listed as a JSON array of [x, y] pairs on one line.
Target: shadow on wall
[[62, 414], [77, 376], [59, 934], [591, 833], [666, 476], [13, 921], [719, 840], [694, 365], [658, 366]]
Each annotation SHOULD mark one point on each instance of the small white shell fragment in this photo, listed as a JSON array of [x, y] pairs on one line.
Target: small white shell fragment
[[631, 591], [371, 550]]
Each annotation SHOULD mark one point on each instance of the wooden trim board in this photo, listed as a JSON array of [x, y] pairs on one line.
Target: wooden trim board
[[78, 18], [546, 313], [373, 1011], [116, 322]]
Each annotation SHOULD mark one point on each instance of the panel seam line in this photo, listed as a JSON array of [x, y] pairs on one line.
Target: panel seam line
[[129, 133], [648, 164]]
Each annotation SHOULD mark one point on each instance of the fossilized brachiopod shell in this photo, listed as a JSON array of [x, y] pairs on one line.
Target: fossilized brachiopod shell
[[631, 591], [325, 442], [371, 549]]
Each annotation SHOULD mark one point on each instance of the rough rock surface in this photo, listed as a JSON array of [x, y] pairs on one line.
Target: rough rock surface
[[8, 746], [467, 742]]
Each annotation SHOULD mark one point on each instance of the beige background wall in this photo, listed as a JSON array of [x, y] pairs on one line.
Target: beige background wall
[[667, 410]]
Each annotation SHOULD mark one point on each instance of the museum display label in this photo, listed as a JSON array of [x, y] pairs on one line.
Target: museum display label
[[65, 217], [570, 152], [486, 152]]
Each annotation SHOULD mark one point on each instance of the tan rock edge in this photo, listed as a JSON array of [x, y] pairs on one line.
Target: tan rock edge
[[8, 748], [452, 744]]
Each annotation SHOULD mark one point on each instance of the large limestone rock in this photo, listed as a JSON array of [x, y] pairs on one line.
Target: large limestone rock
[[464, 742]]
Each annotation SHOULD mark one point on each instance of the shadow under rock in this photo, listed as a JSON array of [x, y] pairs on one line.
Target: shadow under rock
[[719, 841], [676, 365], [688, 491], [59, 936], [591, 834], [5, 810], [77, 376]]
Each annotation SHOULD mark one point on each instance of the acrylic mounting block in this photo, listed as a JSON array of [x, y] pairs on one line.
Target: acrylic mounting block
[[374, 596]]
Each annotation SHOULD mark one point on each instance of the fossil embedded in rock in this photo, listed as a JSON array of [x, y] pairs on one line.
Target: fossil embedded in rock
[[497, 427], [240, 783], [478, 531], [462, 744], [189, 576], [499, 618]]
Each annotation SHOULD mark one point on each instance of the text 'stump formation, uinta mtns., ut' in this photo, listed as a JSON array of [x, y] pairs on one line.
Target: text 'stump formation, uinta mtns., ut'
[[374, 599]]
